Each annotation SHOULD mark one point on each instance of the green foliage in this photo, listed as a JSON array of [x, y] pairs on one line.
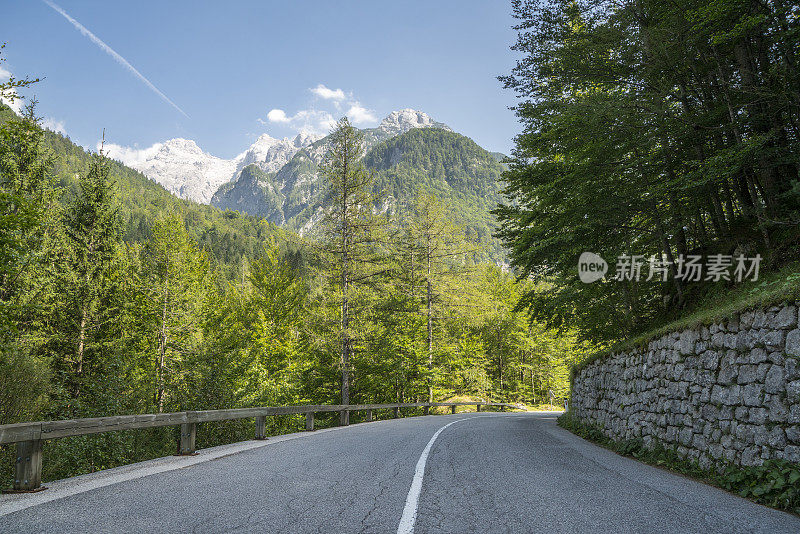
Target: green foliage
[[774, 483], [450, 167], [119, 298], [650, 129], [25, 382]]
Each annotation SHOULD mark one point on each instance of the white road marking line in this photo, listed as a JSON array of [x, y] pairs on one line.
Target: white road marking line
[[409, 517]]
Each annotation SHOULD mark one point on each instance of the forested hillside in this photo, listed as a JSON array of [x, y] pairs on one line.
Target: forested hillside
[[431, 159], [448, 165], [652, 130], [229, 236], [119, 298]]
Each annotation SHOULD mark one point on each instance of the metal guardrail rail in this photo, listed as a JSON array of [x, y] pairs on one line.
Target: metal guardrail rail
[[30, 436]]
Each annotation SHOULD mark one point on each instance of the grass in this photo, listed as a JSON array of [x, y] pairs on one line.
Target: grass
[[776, 483], [717, 305], [442, 410], [542, 407]]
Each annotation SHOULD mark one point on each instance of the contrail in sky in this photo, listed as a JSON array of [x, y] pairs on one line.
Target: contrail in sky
[[110, 51]]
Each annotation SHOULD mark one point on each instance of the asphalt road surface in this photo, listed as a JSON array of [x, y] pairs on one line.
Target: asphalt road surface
[[485, 473]]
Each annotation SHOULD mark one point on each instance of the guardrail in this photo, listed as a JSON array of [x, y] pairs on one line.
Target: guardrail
[[30, 436]]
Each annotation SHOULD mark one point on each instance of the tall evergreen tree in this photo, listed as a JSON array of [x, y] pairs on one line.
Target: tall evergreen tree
[[436, 252], [349, 228], [93, 231]]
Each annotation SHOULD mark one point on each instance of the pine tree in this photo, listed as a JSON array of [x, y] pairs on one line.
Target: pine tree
[[349, 229], [436, 252], [93, 232]]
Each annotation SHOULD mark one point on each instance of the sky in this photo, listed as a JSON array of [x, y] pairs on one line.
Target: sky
[[223, 73]]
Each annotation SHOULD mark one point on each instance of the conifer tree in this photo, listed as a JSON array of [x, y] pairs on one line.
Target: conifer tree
[[349, 228], [436, 252], [93, 232]]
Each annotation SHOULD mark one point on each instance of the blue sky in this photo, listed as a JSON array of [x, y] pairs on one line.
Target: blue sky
[[227, 65]]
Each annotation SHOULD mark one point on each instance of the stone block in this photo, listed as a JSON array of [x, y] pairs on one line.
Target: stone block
[[773, 339], [793, 343], [778, 411], [774, 381], [752, 394], [747, 374], [785, 318], [777, 438]]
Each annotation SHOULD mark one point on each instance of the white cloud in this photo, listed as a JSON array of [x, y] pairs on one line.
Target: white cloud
[[306, 120], [127, 155], [328, 94], [360, 115], [54, 125], [277, 115], [16, 104], [321, 121]]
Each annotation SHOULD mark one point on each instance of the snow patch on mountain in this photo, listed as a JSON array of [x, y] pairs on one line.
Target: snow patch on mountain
[[399, 122], [185, 170], [179, 165], [271, 154]]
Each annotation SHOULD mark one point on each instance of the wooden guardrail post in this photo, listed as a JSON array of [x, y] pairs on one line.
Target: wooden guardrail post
[[188, 436], [28, 468], [309, 421], [477, 407], [261, 427], [30, 436]]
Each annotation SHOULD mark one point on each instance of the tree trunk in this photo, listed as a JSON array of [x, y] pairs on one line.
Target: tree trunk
[[430, 326], [162, 351]]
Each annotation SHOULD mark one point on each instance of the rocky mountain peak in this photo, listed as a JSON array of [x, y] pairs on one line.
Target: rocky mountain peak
[[181, 146], [271, 154], [305, 138], [399, 122]]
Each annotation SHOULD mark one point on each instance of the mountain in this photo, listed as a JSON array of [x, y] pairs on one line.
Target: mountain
[[181, 167], [270, 154], [254, 192], [229, 236], [190, 173], [294, 185], [408, 153], [398, 123]]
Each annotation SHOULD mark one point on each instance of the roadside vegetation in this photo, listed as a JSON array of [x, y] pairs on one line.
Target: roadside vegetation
[[655, 130], [118, 298], [775, 483]]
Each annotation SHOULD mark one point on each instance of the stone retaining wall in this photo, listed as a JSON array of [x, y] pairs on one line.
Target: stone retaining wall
[[727, 391]]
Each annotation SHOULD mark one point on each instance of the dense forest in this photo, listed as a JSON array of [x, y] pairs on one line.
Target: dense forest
[[116, 298], [651, 129]]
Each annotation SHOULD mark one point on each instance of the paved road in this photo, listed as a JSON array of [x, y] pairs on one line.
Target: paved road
[[485, 473]]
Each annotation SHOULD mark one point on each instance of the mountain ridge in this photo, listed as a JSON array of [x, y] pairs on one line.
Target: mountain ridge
[[184, 169], [423, 159]]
